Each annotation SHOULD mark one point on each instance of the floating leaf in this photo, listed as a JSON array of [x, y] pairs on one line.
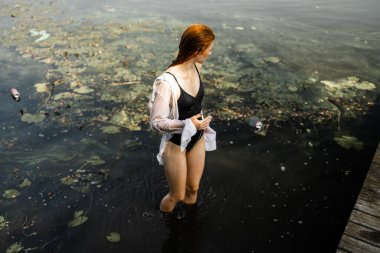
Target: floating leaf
[[14, 248], [32, 118], [25, 183], [79, 219], [11, 194], [113, 237]]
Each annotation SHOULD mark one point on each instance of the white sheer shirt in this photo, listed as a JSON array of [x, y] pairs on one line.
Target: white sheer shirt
[[164, 117]]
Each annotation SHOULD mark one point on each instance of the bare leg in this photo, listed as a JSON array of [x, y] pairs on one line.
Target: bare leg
[[195, 159], [175, 171]]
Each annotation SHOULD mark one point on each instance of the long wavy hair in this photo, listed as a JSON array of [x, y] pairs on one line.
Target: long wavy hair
[[195, 39]]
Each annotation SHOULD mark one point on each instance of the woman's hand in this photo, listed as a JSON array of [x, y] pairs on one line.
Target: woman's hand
[[201, 124]]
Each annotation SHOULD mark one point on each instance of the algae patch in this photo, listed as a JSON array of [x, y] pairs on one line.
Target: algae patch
[[32, 118], [113, 237], [11, 193], [14, 248], [79, 219], [349, 142]]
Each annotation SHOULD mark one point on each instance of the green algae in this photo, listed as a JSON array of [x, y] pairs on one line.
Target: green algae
[[11, 194], [3, 222], [115, 62], [110, 129], [32, 118], [25, 183], [95, 160], [349, 142], [79, 219], [113, 237], [14, 248], [42, 87]]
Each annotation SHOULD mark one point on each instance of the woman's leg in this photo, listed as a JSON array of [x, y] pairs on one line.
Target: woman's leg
[[195, 159], [175, 171]]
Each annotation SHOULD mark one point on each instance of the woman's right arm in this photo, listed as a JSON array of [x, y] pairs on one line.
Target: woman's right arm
[[160, 111]]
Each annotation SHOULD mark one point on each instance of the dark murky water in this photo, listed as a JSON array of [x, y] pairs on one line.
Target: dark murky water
[[291, 190]]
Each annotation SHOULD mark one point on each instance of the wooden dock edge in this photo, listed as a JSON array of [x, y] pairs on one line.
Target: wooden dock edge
[[362, 233]]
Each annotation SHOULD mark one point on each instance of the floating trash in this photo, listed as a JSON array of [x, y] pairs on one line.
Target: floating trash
[[14, 248], [15, 94], [79, 219], [25, 183], [113, 237], [43, 33], [11, 194]]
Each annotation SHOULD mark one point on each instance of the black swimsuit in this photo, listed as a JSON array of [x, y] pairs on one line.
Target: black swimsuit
[[188, 106]]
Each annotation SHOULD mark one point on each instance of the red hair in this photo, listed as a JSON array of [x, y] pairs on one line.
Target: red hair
[[195, 39]]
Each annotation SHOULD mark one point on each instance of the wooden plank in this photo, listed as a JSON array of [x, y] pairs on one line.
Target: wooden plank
[[364, 234], [367, 207], [351, 244], [365, 219], [368, 202]]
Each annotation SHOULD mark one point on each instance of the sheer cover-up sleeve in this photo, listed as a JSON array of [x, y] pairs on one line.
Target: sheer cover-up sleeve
[[161, 109]]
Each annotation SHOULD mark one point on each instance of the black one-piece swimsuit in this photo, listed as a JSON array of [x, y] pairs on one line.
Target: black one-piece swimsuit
[[188, 106]]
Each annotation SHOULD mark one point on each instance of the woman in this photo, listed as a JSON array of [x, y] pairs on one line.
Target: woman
[[176, 110]]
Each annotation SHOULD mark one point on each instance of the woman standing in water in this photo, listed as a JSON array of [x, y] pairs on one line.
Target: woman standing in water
[[176, 110]]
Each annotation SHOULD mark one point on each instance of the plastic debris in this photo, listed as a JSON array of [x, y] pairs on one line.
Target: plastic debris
[[43, 33], [15, 94]]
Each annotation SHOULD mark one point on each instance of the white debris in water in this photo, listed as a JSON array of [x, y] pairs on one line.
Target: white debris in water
[[240, 28], [282, 168], [43, 33]]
